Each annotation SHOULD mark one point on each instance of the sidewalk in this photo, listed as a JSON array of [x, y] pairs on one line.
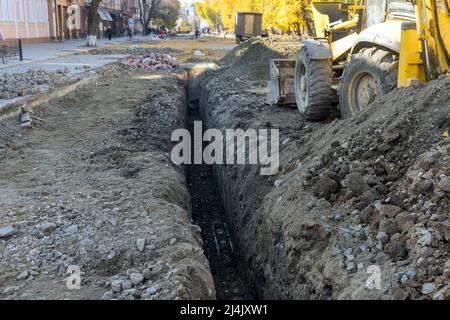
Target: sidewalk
[[52, 69], [44, 51]]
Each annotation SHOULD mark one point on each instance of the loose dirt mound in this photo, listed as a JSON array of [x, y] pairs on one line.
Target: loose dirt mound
[[383, 180], [252, 57], [352, 199]]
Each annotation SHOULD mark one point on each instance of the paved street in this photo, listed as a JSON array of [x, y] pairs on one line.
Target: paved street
[[43, 51], [63, 63]]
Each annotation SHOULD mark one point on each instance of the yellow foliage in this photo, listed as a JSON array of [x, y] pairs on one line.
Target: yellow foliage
[[281, 14], [208, 13]]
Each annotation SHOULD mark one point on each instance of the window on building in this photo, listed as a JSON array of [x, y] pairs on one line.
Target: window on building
[[38, 11], [35, 10], [3, 10], [31, 11], [20, 9], [42, 13], [7, 10]]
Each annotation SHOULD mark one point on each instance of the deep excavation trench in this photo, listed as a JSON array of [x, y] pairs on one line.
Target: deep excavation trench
[[104, 156], [91, 184], [209, 213]]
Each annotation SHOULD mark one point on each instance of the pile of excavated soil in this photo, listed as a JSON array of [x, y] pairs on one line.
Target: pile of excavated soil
[[251, 59], [354, 201], [91, 185]]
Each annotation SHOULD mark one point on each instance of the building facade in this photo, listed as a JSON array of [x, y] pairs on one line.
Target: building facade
[[46, 20], [71, 17], [25, 19]]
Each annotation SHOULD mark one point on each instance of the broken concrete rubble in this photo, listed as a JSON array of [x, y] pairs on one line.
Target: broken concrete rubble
[[14, 85], [153, 62], [7, 231]]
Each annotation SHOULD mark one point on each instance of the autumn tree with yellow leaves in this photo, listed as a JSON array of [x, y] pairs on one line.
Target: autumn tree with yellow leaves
[[284, 15]]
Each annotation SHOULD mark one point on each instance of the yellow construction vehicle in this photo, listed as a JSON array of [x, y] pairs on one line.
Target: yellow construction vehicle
[[363, 50]]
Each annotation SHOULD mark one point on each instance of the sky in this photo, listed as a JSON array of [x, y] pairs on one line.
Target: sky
[[186, 1]]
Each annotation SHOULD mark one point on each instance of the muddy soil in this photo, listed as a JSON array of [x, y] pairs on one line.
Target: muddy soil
[[91, 184], [353, 196]]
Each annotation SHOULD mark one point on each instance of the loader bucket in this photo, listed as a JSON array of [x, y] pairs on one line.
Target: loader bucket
[[325, 13], [282, 82]]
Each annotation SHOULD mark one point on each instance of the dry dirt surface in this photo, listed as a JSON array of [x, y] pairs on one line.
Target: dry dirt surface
[[203, 49], [251, 58], [91, 184], [351, 196]]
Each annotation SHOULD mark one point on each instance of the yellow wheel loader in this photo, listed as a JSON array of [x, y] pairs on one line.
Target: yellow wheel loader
[[363, 50]]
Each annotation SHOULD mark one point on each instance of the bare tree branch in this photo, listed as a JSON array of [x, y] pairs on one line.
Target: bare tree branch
[[147, 10]]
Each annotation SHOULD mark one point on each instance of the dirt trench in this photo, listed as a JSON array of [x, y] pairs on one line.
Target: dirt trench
[[209, 213], [91, 185]]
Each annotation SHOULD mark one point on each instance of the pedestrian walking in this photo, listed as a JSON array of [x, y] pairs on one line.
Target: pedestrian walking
[[109, 33], [129, 33]]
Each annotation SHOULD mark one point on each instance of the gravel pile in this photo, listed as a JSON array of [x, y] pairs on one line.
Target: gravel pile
[[387, 175], [153, 62], [352, 198], [31, 82]]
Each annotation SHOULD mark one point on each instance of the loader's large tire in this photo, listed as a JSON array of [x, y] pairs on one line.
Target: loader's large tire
[[371, 73], [313, 92]]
